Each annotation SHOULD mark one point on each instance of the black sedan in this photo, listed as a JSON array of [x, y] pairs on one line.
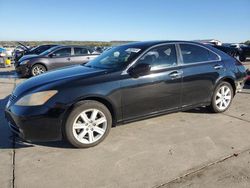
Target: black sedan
[[125, 83], [55, 57]]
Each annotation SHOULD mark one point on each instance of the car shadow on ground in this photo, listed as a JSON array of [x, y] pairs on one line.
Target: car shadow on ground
[[205, 110], [9, 140], [199, 110], [11, 74]]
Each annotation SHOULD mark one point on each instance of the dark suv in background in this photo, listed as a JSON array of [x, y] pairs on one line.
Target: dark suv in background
[[244, 51], [55, 57]]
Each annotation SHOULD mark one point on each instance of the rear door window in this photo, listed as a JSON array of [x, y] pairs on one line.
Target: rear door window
[[194, 54], [80, 51]]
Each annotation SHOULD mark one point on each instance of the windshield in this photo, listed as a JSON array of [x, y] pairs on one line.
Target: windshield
[[49, 50], [115, 58], [32, 49]]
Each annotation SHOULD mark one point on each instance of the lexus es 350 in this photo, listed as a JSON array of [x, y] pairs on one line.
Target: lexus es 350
[[125, 83]]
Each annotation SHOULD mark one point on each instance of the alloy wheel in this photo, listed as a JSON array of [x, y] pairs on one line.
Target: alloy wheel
[[223, 97], [89, 126], [38, 69]]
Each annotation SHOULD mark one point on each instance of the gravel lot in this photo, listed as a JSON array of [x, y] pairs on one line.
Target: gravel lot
[[186, 149]]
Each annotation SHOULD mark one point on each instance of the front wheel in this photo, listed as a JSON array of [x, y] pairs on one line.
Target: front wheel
[[38, 69], [88, 124], [222, 97]]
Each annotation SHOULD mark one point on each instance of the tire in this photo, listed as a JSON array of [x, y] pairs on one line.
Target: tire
[[221, 101], [38, 69], [84, 131], [242, 58]]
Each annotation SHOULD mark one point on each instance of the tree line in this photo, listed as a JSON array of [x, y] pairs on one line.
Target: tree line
[[68, 42]]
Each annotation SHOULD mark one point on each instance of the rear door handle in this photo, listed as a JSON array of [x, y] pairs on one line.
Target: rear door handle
[[217, 67]]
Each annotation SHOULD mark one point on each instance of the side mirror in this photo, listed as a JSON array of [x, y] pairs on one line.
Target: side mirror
[[139, 70], [52, 55]]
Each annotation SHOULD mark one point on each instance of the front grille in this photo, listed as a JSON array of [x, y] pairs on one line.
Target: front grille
[[12, 98]]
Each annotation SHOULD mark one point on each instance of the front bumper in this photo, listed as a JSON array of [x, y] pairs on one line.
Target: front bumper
[[22, 70], [36, 124]]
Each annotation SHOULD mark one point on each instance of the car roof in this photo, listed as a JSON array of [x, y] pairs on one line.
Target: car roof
[[146, 44], [48, 45], [75, 46]]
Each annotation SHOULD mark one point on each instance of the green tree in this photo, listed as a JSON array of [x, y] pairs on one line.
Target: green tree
[[247, 42]]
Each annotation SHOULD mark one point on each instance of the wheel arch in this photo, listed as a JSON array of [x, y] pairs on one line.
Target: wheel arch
[[39, 63], [230, 80], [100, 99]]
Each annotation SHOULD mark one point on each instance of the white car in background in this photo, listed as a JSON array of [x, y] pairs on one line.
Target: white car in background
[[9, 50]]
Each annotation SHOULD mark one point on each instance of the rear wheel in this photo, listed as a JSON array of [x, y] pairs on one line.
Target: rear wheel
[[38, 69], [222, 97], [88, 124]]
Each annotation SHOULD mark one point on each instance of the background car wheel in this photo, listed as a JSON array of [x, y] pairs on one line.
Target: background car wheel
[[222, 97], [242, 58], [38, 69], [88, 124]]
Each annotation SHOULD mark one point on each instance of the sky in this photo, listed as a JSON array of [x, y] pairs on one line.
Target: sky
[[107, 20]]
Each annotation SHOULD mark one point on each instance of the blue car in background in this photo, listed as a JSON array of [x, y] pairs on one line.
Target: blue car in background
[[2, 52]]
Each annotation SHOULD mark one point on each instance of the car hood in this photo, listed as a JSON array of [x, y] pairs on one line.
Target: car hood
[[23, 45], [28, 57], [65, 74]]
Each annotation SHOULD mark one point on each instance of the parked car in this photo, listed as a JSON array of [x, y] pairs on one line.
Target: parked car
[[24, 50], [238, 51], [123, 84], [55, 57], [2, 56], [244, 52], [9, 50], [2, 52], [248, 77], [234, 52]]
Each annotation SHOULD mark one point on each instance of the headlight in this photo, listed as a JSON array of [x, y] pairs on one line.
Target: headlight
[[24, 62], [36, 99]]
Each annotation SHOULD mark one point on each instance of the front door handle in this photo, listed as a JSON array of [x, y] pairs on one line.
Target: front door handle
[[175, 74], [217, 67], [68, 59]]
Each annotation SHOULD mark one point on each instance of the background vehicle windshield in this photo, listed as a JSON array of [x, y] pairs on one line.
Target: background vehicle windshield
[[115, 58], [49, 50]]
